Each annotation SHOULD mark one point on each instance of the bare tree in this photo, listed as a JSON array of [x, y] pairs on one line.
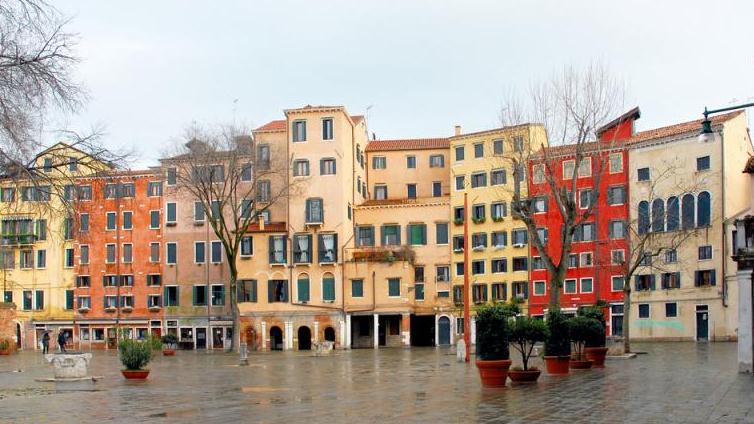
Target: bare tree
[[235, 184], [571, 106]]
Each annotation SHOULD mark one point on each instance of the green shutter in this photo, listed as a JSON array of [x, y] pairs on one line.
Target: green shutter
[[69, 299], [193, 295], [270, 290], [303, 289], [328, 289]]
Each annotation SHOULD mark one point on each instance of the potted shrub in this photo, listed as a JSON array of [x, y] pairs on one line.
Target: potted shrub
[[526, 332], [492, 333], [595, 346], [6, 347], [582, 329], [135, 355], [558, 343], [169, 342]]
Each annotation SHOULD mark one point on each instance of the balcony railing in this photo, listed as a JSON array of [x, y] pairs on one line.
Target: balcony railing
[[18, 239], [386, 254]]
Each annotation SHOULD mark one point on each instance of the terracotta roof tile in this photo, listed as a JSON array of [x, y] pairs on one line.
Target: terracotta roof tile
[[271, 227], [404, 201], [408, 144], [276, 125], [357, 118]]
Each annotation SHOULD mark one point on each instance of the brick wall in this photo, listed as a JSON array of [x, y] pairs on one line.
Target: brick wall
[[8, 322]]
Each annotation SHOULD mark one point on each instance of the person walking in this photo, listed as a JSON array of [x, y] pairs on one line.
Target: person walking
[[61, 341], [46, 343]]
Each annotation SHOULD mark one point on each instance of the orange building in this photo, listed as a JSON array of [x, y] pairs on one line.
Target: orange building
[[118, 232]]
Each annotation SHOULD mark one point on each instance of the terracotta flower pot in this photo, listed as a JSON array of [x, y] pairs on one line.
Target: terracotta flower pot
[[5, 351], [135, 374], [581, 364], [493, 373], [557, 365], [168, 352], [597, 356], [521, 376]]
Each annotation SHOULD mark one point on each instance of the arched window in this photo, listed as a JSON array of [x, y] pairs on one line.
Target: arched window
[[687, 211], [703, 209], [303, 288], [658, 215], [673, 214], [643, 217]]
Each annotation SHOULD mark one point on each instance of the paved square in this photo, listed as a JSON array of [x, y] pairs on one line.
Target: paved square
[[674, 382]]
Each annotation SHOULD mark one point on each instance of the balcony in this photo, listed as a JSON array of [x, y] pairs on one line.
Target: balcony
[[387, 254], [18, 239]]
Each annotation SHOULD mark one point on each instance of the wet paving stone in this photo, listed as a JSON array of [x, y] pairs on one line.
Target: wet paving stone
[[672, 383]]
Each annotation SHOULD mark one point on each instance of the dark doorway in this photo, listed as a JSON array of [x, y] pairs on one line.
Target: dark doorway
[[330, 334], [702, 323], [201, 338], [276, 338], [18, 336], [616, 320], [304, 338], [217, 338], [443, 331], [422, 330], [362, 327]]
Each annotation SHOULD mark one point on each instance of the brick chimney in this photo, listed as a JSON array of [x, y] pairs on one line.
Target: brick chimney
[[457, 130]]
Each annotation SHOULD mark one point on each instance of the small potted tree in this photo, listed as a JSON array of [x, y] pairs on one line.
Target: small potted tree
[[169, 343], [557, 343], [582, 329], [6, 347], [525, 334], [492, 352], [595, 346], [135, 355]]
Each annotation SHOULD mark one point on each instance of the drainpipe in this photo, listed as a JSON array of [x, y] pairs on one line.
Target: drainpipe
[[724, 235]]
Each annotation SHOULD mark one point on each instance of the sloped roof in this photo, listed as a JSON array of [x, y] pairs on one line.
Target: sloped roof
[[282, 124], [408, 144]]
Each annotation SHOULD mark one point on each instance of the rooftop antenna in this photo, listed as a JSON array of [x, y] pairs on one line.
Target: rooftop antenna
[[235, 104]]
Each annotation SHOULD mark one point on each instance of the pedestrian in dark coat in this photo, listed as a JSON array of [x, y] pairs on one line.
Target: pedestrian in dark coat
[[46, 343], [61, 341]]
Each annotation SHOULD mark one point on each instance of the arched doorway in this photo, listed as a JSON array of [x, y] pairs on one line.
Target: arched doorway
[[330, 334], [276, 338], [304, 338], [443, 325]]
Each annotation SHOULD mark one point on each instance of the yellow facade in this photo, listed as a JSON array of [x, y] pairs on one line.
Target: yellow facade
[[482, 169]]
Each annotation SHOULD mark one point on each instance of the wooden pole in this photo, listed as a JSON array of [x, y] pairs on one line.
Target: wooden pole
[[466, 270]]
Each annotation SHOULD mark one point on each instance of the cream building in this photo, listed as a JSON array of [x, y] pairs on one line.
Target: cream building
[[691, 191]]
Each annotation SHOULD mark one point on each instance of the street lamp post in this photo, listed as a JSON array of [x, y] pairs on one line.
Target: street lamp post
[[706, 134]]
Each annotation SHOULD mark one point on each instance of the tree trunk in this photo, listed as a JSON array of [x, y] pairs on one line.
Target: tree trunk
[[234, 309], [626, 317], [556, 279]]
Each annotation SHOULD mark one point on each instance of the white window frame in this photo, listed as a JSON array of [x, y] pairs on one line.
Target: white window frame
[[123, 253], [617, 250], [575, 286], [534, 288], [204, 256], [649, 309], [115, 255], [88, 254], [536, 172], [612, 278], [167, 215], [167, 250], [150, 219], [107, 219], [611, 170], [581, 163], [571, 162], [582, 255], [581, 285]]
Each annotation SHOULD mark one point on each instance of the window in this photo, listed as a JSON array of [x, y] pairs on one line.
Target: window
[[171, 296], [617, 257], [153, 301], [264, 191], [39, 300], [671, 310], [84, 302], [642, 174], [247, 246], [540, 288], [7, 194], [671, 256], [458, 295], [587, 285], [170, 217], [110, 221], [394, 287], [458, 214], [537, 263], [437, 161], [644, 310], [458, 243], [364, 236], [586, 259], [499, 239], [497, 147], [499, 265], [584, 232], [702, 163], [327, 166], [328, 288], [498, 211], [478, 241], [216, 207], [646, 259], [263, 157], [478, 180], [419, 291], [299, 131], [27, 300], [83, 254], [391, 235], [542, 234], [302, 249], [302, 288], [459, 151], [200, 295], [218, 295], [68, 192], [154, 219], [616, 195], [644, 282], [357, 288], [109, 281], [569, 286], [673, 214], [441, 233], [41, 258], [301, 168], [459, 269], [411, 191], [585, 167], [172, 253], [538, 176], [643, 211], [460, 182], [277, 250], [658, 215], [247, 209], [687, 211], [539, 204], [478, 212], [497, 177], [418, 274], [520, 289], [479, 150], [314, 211], [616, 163], [411, 162], [703, 210], [154, 280], [128, 253], [128, 220], [417, 234], [479, 293], [379, 162], [568, 167], [519, 236], [520, 263], [477, 267], [617, 282], [436, 189], [328, 248], [705, 252], [154, 188], [617, 230], [200, 252], [126, 280], [585, 198], [68, 258], [671, 280], [247, 290], [442, 273], [172, 176], [380, 192], [327, 129]]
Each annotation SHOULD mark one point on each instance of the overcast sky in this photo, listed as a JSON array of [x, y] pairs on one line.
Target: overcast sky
[[153, 67]]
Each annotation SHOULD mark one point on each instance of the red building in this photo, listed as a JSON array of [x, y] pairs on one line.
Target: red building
[[118, 236], [601, 243]]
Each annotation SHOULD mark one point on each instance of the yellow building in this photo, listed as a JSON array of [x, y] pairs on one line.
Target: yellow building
[[37, 241], [482, 169]]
